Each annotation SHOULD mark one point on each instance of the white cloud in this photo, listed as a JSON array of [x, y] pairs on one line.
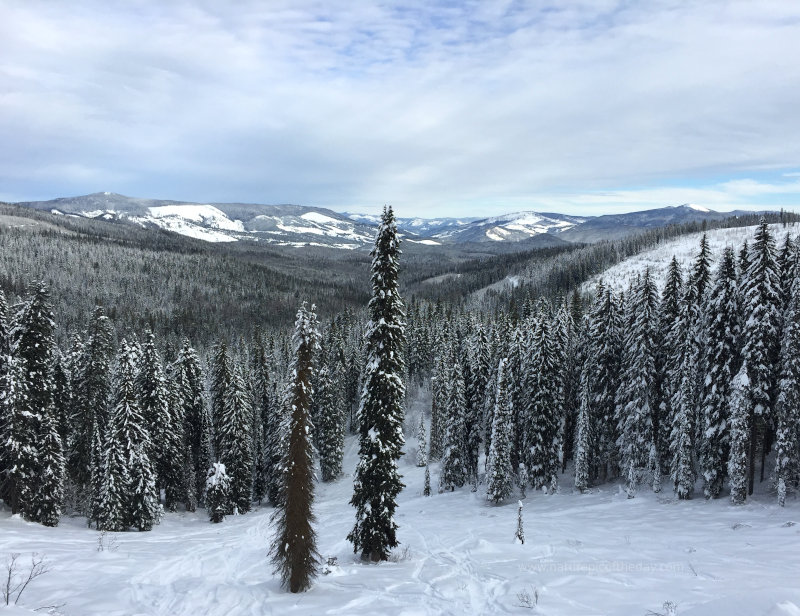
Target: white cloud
[[438, 108]]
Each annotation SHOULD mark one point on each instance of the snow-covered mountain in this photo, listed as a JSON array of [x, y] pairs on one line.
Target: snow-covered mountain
[[514, 227], [285, 225], [297, 225]]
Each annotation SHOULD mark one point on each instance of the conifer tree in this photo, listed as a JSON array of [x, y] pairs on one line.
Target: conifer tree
[[606, 348], [217, 493], [670, 342], [636, 396], [541, 417], [722, 363], [51, 472], [519, 536], [294, 551], [761, 341], [128, 491], [583, 431], [426, 491], [92, 394], [235, 444], [33, 345], [196, 420], [377, 480], [454, 469], [331, 427], [740, 436], [221, 380], [500, 473], [788, 403], [422, 442]]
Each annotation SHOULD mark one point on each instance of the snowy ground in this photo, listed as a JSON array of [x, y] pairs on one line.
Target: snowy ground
[[685, 249], [596, 553]]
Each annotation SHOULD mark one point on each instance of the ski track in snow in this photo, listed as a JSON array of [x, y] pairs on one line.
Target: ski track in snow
[[594, 553]]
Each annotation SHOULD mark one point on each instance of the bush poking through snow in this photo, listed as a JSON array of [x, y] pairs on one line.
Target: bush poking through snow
[[18, 578], [528, 600]]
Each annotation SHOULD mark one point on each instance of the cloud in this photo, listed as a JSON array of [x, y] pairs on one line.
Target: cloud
[[434, 107]]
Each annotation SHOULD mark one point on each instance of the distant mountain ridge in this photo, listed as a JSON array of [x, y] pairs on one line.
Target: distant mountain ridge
[[298, 225]]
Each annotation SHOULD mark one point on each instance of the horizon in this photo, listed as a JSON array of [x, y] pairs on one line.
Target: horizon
[[443, 110], [376, 213]]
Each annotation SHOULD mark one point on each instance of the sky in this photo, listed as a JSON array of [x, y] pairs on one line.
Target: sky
[[439, 108]]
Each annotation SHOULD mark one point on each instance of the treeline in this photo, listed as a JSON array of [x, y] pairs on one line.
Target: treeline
[[102, 429], [697, 382]]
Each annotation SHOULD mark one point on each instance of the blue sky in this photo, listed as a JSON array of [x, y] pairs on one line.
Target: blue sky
[[439, 108]]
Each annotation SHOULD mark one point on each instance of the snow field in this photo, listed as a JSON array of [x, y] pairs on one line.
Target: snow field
[[594, 553]]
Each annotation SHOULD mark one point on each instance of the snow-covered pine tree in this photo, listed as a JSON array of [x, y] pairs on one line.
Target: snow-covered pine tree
[[787, 407], [217, 493], [91, 388], [262, 408], [294, 551], [519, 536], [635, 399], [761, 306], [606, 348], [331, 427], [19, 452], [439, 399], [480, 360], [668, 361], [499, 472], [235, 443], [541, 416], [151, 390], [189, 377], [51, 471], [176, 467], [422, 442], [687, 381], [584, 440], [426, 490], [144, 508], [722, 363], [453, 468], [220, 388], [33, 345], [740, 436], [570, 359], [377, 480]]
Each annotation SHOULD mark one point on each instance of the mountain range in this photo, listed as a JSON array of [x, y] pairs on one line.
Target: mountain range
[[297, 225]]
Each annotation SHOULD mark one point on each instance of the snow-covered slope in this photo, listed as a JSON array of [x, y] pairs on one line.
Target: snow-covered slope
[[285, 225], [511, 227], [685, 249], [594, 553]]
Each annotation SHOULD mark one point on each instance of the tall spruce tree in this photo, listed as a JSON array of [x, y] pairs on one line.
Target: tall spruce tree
[[454, 468], [584, 440], [761, 342], [740, 436], [499, 471], [33, 340], [787, 463], [331, 427], [91, 388], [294, 551], [541, 417], [722, 325], [377, 480], [636, 395], [235, 442]]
